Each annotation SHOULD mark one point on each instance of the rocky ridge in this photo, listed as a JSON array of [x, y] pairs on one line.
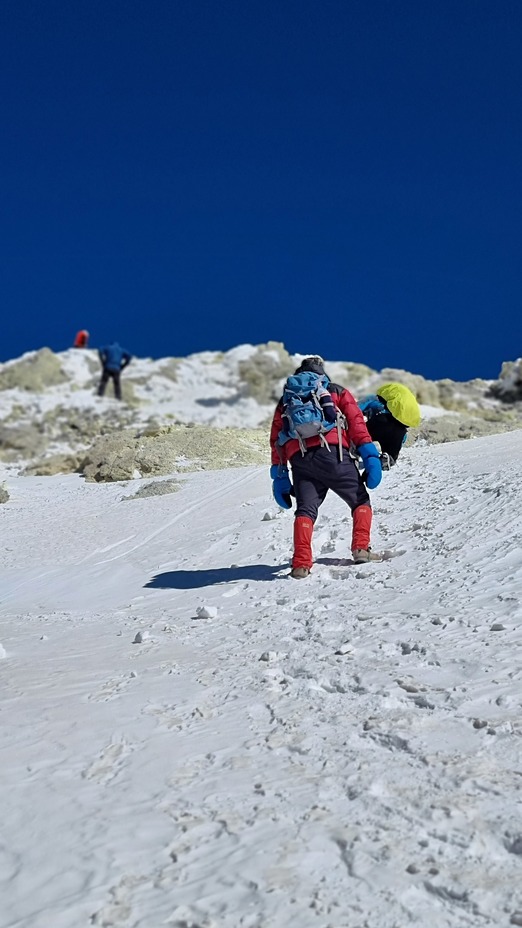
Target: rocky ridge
[[208, 410]]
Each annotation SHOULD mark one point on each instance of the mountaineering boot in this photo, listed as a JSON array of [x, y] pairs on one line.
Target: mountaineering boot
[[299, 573], [362, 523], [363, 555], [303, 530]]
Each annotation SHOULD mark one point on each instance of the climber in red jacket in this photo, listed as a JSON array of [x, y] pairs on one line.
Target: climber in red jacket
[[82, 339], [323, 462]]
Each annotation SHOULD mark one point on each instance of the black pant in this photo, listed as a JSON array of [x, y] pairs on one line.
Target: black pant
[[320, 470], [388, 432], [106, 374]]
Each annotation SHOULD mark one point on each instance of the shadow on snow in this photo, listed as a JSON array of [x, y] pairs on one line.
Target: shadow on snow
[[193, 579]]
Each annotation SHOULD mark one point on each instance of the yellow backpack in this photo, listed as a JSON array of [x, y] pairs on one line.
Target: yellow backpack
[[401, 403]]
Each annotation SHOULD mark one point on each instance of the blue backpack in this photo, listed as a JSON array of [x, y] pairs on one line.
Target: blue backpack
[[303, 415], [372, 406]]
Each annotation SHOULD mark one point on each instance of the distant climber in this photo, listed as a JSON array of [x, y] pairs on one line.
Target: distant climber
[[82, 339], [389, 413], [114, 359]]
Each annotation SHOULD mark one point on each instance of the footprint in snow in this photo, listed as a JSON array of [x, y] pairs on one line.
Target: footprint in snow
[[111, 689], [109, 763]]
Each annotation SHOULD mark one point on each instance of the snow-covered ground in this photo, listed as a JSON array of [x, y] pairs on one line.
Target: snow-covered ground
[[190, 738]]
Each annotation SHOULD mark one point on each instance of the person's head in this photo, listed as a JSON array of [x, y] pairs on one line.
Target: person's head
[[313, 363]]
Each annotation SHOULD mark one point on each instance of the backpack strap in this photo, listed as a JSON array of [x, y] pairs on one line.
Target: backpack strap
[[341, 424]]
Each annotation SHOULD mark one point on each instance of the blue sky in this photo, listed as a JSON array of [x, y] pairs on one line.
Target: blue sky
[[343, 176]]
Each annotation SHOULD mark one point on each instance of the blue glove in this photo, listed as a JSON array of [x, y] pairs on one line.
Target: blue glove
[[281, 486], [372, 464]]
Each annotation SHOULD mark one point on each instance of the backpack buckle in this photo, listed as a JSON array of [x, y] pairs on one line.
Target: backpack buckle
[[387, 461]]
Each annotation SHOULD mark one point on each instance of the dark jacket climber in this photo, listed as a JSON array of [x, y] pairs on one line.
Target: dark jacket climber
[[114, 360], [389, 413]]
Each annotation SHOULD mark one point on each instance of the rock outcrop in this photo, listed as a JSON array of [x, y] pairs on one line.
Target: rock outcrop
[[176, 449], [33, 372], [508, 387]]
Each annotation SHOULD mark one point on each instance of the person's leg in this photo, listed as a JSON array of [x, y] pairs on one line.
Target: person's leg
[[117, 385], [103, 382], [361, 530], [309, 493], [346, 481], [302, 556]]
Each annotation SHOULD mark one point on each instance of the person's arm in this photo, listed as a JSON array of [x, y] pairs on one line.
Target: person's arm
[[126, 359], [282, 488], [355, 422], [359, 434], [277, 425]]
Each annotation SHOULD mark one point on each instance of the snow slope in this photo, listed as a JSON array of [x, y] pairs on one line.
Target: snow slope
[[190, 738]]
